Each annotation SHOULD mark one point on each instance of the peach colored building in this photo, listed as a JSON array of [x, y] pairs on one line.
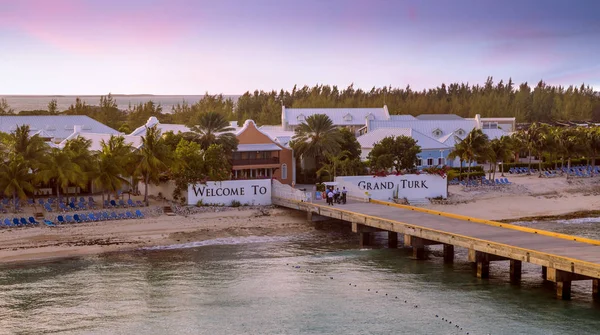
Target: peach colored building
[[259, 156]]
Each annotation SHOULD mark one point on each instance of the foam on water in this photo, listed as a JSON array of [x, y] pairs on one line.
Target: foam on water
[[222, 241]]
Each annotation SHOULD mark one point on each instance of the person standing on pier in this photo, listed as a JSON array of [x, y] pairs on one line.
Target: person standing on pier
[[330, 197], [344, 192]]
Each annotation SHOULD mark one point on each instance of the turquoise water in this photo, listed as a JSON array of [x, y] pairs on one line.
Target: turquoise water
[[316, 283]]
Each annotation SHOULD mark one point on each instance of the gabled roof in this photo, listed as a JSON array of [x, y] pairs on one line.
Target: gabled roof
[[166, 127], [369, 139], [495, 133], [135, 141], [54, 126], [359, 115], [403, 117], [439, 117], [277, 134], [426, 126]]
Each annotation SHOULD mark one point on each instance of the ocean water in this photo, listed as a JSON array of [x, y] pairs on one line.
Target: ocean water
[[20, 103], [315, 283]]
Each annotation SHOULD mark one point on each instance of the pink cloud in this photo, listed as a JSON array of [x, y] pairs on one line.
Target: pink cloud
[[73, 26]]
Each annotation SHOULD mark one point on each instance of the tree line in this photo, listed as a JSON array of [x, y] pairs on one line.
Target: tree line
[[554, 147], [538, 103], [30, 164]]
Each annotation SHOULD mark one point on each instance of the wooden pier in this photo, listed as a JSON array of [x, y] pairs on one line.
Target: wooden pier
[[563, 258]]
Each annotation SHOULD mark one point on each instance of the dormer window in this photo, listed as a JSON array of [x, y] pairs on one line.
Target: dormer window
[[437, 132], [50, 127], [301, 117], [460, 132], [348, 117], [370, 116]]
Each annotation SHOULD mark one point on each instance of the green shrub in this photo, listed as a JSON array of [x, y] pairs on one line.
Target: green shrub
[[235, 203], [200, 203]]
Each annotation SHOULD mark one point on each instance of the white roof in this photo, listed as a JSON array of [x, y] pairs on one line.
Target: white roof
[[403, 117], [427, 127], [166, 127], [135, 141], [369, 139], [258, 147], [277, 134], [55, 126], [495, 133], [339, 116]]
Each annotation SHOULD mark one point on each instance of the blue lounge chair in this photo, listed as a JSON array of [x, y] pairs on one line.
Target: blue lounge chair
[[139, 214], [81, 199], [32, 221], [105, 216], [82, 205], [47, 207], [60, 219], [41, 202], [113, 203], [139, 203], [92, 217], [77, 218], [49, 223], [505, 180], [122, 203], [7, 222], [129, 215], [62, 207], [114, 215], [16, 222], [91, 200], [122, 216], [24, 222], [69, 219], [130, 203], [72, 206]]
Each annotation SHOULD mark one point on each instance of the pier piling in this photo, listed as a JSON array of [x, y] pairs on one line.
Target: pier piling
[[392, 239], [515, 271], [448, 253]]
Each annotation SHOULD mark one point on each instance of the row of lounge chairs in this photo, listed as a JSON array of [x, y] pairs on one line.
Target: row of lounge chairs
[[75, 218], [71, 206], [99, 216], [481, 181], [122, 204]]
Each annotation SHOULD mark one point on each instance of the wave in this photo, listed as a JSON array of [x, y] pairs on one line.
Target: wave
[[222, 241]]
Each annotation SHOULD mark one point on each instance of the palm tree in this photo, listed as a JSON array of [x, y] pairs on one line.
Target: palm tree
[[459, 152], [31, 148], [213, 128], [316, 138], [593, 141], [153, 158], [79, 151], [59, 168], [333, 164], [16, 179], [500, 150], [112, 164], [537, 136], [474, 147]]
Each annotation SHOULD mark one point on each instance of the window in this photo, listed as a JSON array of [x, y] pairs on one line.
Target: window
[[370, 117], [283, 171], [429, 161], [460, 132], [301, 117], [419, 162], [437, 133], [348, 117], [440, 161], [490, 125]]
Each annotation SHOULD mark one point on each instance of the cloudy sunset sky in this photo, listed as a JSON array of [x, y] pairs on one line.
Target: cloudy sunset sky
[[227, 46]]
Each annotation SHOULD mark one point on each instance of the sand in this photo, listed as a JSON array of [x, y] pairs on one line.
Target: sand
[[70, 240], [528, 196]]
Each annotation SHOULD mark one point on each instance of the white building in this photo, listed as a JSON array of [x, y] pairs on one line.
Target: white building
[[352, 118], [54, 128]]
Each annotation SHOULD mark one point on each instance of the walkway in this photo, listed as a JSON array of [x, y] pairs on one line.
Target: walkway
[[563, 258]]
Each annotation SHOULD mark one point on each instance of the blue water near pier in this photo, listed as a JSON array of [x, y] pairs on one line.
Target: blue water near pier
[[316, 283]]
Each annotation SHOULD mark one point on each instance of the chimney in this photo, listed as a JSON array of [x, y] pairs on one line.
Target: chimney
[[233, 124]]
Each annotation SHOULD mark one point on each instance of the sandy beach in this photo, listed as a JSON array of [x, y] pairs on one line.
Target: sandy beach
[[528, 196], [70, 240]]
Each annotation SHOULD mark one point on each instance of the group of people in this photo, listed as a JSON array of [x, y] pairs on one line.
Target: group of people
[[335, 195]]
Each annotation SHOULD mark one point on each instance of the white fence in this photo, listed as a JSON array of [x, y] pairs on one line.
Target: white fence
[[284, 191]]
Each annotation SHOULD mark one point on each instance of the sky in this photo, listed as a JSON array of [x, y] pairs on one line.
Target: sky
[[77, 47]]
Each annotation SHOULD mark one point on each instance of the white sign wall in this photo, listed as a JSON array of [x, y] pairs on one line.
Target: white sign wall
[[410, 186], [251, 192]]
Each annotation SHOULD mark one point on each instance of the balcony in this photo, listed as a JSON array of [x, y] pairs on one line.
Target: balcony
[[255, 161]]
